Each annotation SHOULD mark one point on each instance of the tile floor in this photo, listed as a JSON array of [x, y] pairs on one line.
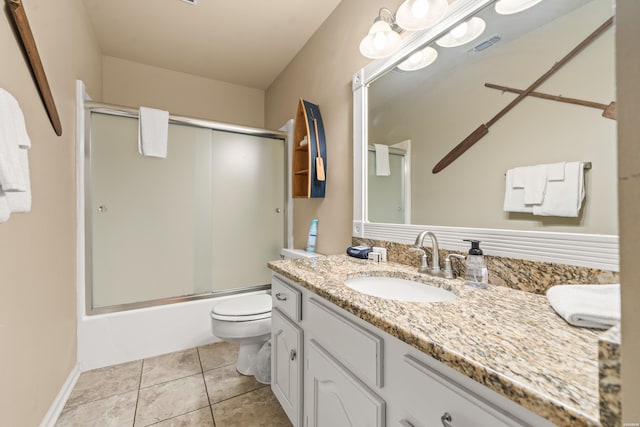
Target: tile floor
[[198, 387]]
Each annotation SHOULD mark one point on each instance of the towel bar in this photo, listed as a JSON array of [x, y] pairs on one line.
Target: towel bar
[[586, 166]]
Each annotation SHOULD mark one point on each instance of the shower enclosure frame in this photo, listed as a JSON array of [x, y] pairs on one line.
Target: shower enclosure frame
[[117, 110]]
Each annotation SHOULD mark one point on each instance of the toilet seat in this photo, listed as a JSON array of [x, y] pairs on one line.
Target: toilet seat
[[243, 308]]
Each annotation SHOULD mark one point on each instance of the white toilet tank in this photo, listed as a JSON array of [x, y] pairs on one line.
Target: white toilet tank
[[297, 253]]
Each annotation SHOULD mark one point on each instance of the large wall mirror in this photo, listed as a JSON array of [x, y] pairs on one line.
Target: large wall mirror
[[421, 115]]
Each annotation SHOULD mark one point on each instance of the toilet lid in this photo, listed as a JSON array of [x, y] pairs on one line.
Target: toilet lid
[[246, 305]]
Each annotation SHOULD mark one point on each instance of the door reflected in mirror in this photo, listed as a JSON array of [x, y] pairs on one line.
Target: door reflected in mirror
[[389, 184]]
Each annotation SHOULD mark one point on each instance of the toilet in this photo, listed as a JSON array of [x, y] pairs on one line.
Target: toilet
[[246, 320]]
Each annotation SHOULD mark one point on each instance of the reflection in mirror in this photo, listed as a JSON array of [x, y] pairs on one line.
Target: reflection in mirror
[[389, 179], [438, 106]]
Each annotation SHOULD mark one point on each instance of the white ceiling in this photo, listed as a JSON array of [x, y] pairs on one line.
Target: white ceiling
[[243, 42]]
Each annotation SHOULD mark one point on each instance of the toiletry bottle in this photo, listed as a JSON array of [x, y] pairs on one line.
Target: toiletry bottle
[[313, 233], [476, 274]]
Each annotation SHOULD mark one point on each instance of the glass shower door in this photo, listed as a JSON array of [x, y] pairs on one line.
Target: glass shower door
[[205, 219]]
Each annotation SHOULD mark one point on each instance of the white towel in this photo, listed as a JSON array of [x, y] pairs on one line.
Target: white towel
[[589, 306], [564, 198], [533, 179], [5, 211], [20, 201], [514, 196], [382, 160], [555, 171], [13, 136], [153, 131]]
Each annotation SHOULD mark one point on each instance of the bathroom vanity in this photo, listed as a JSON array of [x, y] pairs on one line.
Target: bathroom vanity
[[490, 357]]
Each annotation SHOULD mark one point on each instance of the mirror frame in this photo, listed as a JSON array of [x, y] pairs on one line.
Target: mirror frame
[[586, 250]]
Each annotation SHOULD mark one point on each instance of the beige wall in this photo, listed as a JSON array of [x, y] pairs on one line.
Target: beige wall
[[628, 66], [321, 73], [37, 250], [133, 84]]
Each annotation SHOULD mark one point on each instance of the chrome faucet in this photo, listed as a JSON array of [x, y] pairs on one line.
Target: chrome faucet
[[434, 270]]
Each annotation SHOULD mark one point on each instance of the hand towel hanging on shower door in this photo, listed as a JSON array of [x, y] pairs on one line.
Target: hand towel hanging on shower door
[[153, 131]]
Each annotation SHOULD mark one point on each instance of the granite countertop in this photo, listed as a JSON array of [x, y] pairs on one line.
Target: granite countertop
[[510, 341]]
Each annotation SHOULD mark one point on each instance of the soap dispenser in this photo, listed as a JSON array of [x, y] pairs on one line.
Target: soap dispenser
[[476, 274]]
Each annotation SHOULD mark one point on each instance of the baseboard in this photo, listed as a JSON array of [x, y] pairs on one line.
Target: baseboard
[[56, 407]]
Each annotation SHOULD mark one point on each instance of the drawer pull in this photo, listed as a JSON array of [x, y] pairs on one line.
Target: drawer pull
[[281, 297], [446, 419], [293, 354]]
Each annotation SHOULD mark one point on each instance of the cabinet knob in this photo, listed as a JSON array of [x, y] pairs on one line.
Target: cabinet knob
[[281, 297], [446, 419], [293, 354]]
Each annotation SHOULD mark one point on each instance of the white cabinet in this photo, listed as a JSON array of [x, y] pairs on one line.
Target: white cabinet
[[357, 348], [286, 365], [286, 298], [335, 397], [287, 348], [354, 374], [430, 399]]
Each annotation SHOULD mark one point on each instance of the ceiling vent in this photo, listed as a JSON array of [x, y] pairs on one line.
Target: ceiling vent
[[485, 44]]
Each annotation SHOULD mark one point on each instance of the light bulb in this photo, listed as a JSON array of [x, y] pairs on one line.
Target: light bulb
[[509, 7], [420, 8], [463, 33], [460, 31], [379, 41], [417, 15], [419, 60]]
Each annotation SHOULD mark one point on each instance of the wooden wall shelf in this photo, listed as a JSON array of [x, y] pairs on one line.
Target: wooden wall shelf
[[307, 179]]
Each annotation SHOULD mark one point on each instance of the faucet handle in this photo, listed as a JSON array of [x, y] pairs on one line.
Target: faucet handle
[[424, 266], [448, 271]]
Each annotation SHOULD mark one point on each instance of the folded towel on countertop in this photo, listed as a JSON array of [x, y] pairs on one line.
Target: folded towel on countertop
[[588, 306], [153, 131]]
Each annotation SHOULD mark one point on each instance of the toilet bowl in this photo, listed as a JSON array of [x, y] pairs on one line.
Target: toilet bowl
[[246, 320]]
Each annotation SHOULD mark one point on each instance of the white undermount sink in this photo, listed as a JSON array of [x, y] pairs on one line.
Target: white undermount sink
[[399, 289]]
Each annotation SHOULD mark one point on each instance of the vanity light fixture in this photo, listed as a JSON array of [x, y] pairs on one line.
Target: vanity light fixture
[[383, 38], [420, 59], [416, 15], [463, 33], [509, 7]]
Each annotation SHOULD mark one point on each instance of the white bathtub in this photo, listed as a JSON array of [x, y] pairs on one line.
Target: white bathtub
[[108, 339]]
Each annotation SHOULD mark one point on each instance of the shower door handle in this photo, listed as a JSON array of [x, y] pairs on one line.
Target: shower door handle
[[281, 297], [446, 419]]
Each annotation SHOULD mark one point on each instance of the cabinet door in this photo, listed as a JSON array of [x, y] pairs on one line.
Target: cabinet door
[[286, 365], [335, 397], [431, 399]]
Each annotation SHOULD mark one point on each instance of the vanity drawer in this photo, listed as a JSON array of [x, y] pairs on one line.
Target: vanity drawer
[[431, 399], [286, 298], [355, 347]]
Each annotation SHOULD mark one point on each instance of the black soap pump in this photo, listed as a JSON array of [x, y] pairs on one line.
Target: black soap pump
[[476, 273]]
